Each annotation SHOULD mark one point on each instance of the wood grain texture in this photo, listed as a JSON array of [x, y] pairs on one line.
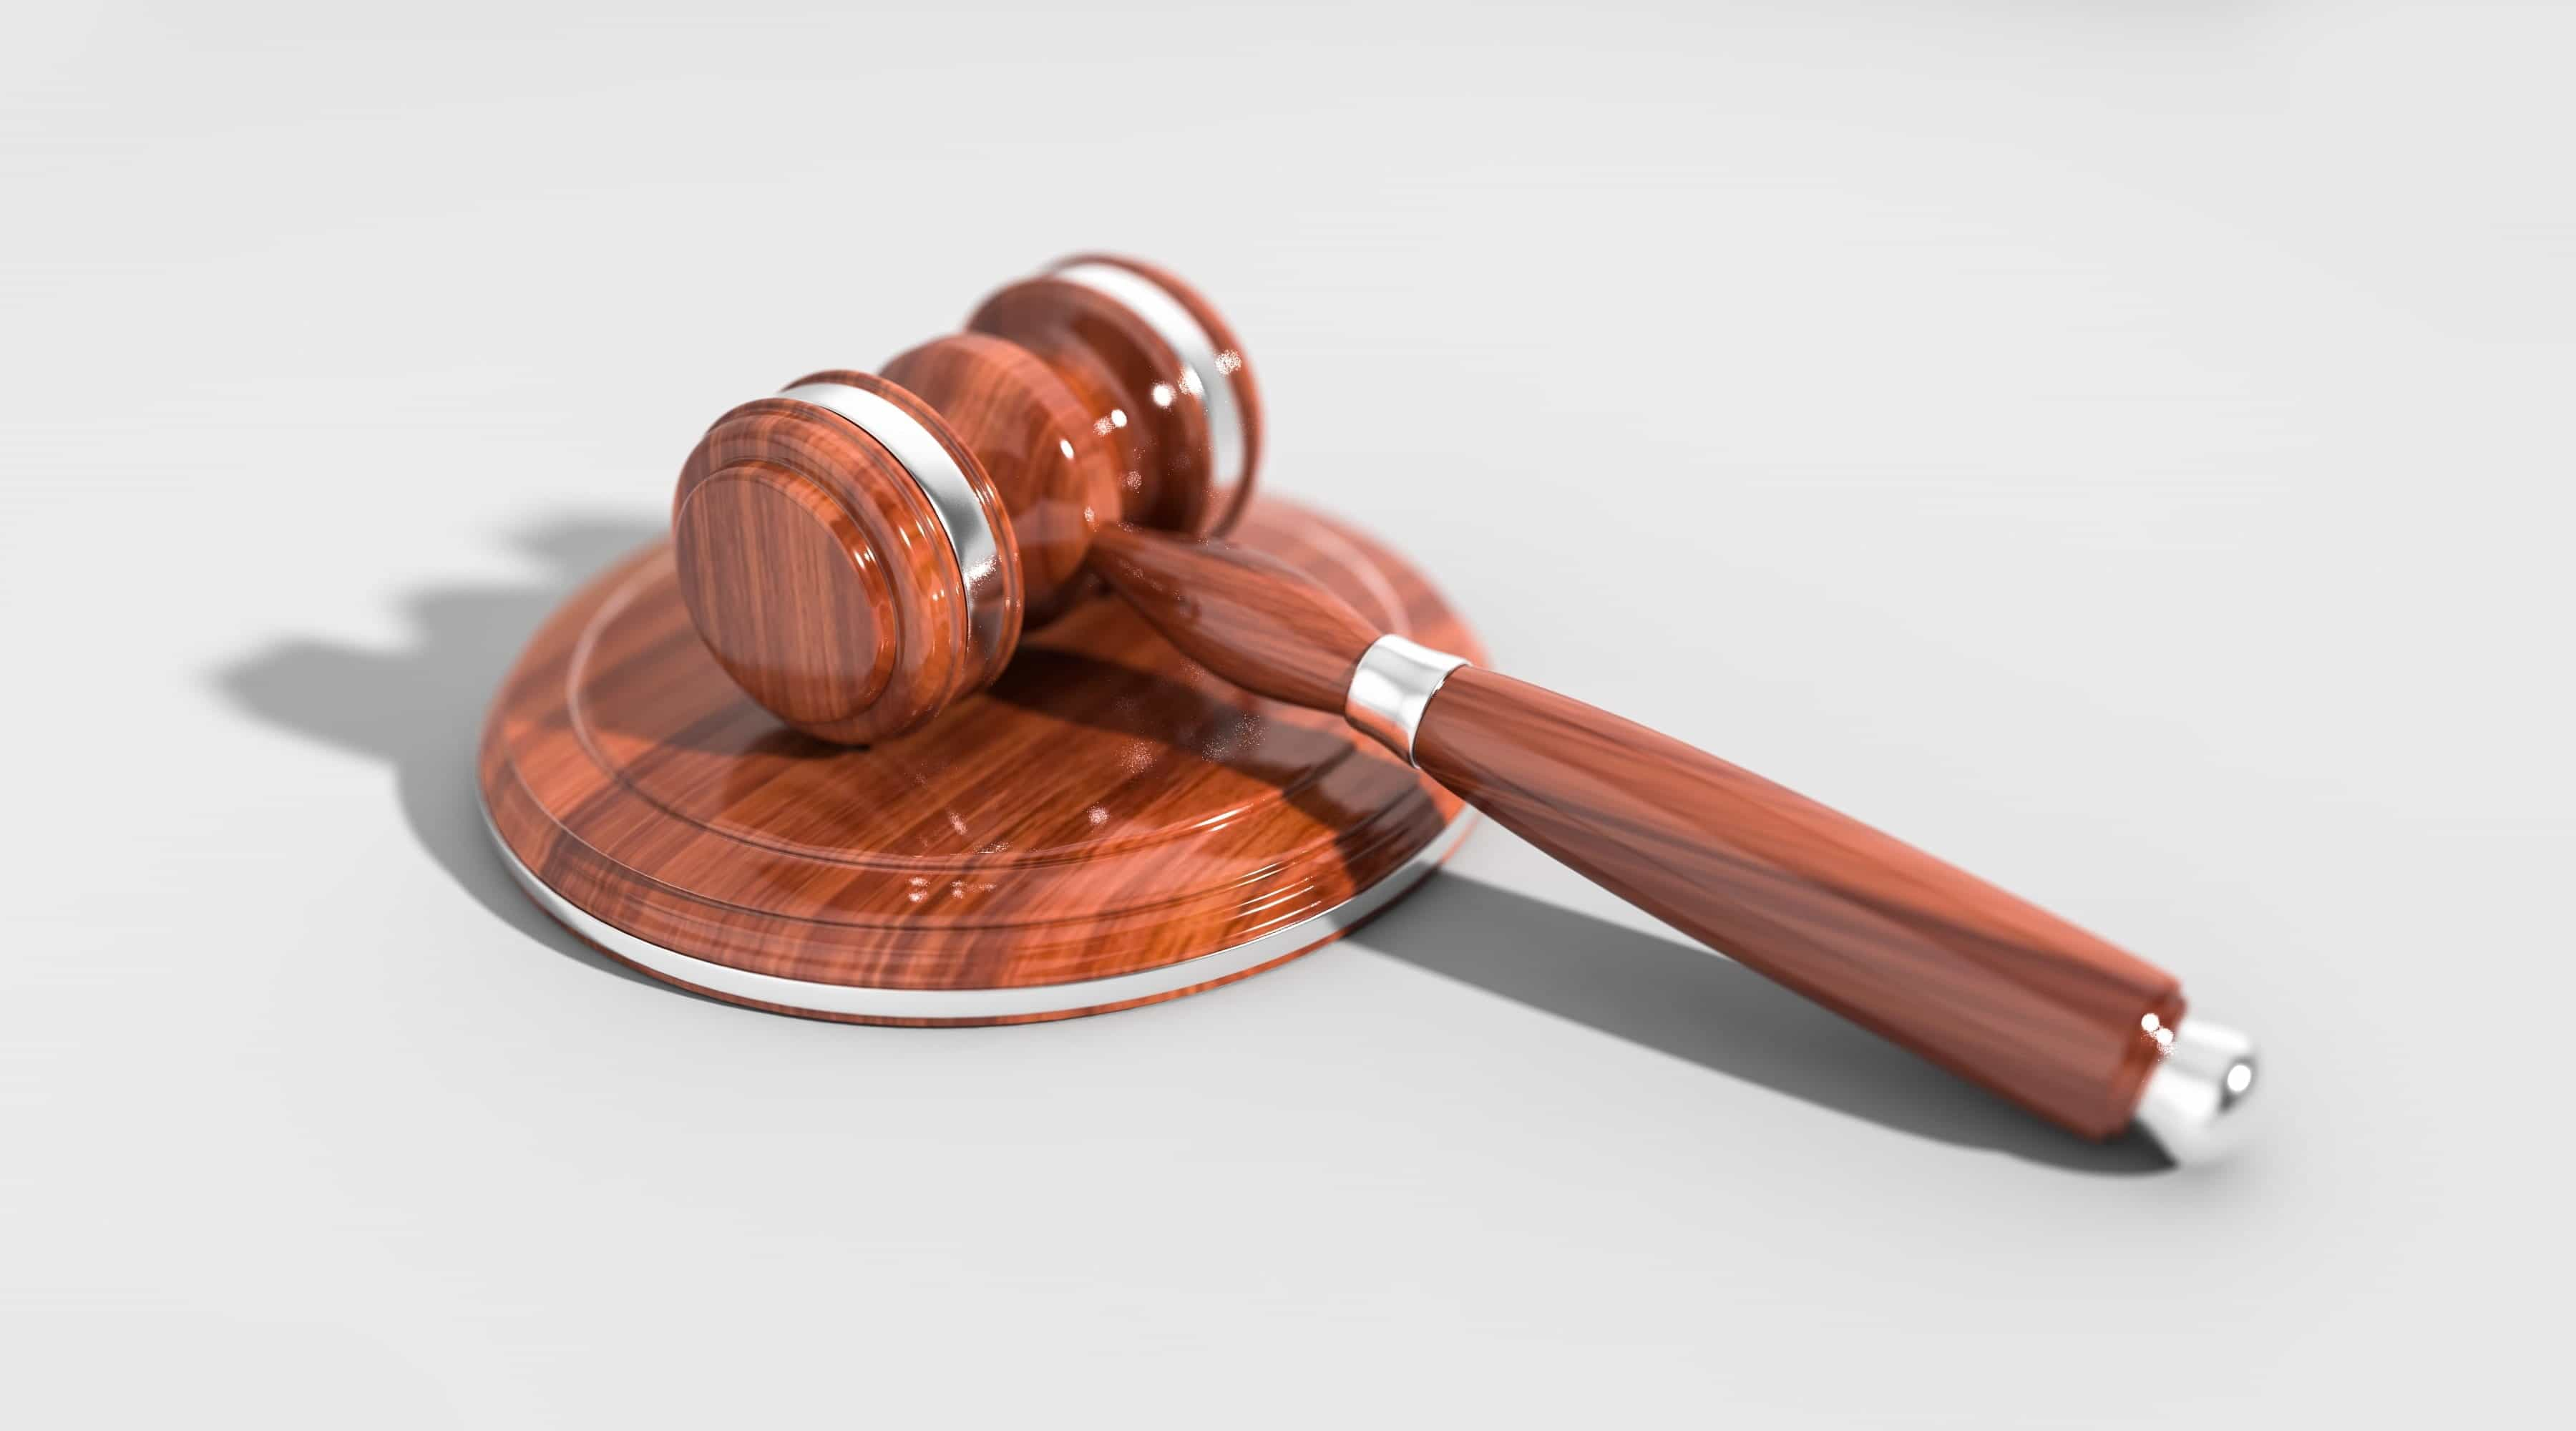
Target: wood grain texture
[[796, 561], [1057, 474], [815, 568], [819, 576], [808, 627], [1235, 364], [1240, 612], [1104, 807], [1943, 963], [1947, 965], [1117, 365]]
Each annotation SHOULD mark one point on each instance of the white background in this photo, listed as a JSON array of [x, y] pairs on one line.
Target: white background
[[2124, 447]]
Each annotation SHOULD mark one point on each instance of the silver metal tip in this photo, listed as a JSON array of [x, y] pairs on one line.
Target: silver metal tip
[[2194, 1103]]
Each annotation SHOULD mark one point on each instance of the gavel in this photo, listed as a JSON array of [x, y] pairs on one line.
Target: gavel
[[859, 552]]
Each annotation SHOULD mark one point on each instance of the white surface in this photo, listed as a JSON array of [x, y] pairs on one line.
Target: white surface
[[2123, 447]]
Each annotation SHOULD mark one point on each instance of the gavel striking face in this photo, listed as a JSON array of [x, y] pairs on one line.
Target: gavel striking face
[[860, 552]]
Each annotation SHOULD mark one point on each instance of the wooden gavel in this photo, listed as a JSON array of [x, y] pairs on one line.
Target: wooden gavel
[[859, 552]]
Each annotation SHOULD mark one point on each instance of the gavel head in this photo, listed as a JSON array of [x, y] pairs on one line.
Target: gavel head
[[862, 550]]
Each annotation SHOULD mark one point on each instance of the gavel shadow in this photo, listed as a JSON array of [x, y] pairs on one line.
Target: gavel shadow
[[419, 710], [1676, 998], [1681, 1000]]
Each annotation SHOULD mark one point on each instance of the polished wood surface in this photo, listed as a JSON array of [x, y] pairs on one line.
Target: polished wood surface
[[1921, 952], [1116, 364], [1055, 471], [1241, 613], [815, 568], [1959, 971], [1945, 964], [819, 577], [1105, 807], [1232, 357]]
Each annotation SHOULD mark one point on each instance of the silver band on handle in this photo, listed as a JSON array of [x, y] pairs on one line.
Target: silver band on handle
[[2192, 1101], [1394, 682]]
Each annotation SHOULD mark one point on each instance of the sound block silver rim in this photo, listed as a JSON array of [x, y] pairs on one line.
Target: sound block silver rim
[[849, 1000]]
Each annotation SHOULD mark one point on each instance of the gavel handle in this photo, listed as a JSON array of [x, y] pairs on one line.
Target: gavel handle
[[1922, 953]]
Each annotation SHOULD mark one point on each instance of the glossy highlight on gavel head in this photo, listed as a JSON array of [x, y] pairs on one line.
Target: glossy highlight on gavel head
[[862, 550]]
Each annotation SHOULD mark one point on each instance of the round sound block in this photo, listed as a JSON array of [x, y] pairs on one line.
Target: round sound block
[[1107, 825]]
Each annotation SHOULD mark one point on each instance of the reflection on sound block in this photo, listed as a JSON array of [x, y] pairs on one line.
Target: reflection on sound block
[[1107, 825]]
